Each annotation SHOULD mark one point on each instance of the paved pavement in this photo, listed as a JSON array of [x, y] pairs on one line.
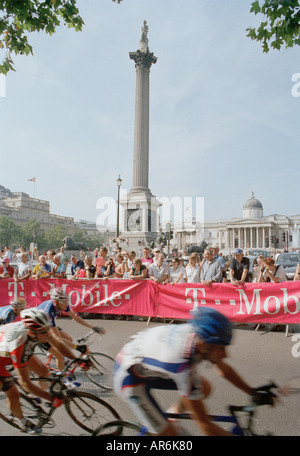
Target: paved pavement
[[257, 356]]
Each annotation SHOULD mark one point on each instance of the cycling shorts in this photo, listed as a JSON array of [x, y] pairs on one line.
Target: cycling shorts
[[6, 383], [134, 388]]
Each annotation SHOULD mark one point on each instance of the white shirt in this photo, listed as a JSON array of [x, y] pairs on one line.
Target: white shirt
[[174, 274], [159, 272], [193, 274], [23, 269]]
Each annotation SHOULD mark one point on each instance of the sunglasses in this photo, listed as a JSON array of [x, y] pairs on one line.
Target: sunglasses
[[42, 332]]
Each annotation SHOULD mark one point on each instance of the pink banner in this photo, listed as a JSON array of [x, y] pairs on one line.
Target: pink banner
[[257, 303]]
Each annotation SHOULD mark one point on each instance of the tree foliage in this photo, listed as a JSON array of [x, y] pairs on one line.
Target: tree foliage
[[14, 235], [281, 26], [19, 18]]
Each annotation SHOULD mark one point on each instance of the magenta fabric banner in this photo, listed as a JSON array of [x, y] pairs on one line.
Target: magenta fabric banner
[[253, 302]]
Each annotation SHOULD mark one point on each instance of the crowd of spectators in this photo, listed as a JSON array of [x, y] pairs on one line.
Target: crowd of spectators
[[210, 267]]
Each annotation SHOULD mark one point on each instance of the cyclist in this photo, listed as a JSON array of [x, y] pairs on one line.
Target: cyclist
[[17, 343], [165, 358], [9, 313], [58, 303]]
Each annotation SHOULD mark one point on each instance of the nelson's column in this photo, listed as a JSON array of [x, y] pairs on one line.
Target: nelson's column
[[140, 207]]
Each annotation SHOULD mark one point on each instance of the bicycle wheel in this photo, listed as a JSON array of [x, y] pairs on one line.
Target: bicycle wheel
[[29, 408], [123, 427], [101, 370], [89, 411]]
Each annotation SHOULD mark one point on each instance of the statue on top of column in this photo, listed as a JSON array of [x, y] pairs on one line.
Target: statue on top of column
[[143, 45]]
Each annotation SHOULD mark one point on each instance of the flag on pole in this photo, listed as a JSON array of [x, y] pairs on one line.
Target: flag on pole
[[32, 180]]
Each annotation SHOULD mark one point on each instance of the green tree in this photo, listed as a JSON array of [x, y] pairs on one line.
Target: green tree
[[28, 231], [10, 232], [281, 26], [91, 240], [54, 237], [18, 18]]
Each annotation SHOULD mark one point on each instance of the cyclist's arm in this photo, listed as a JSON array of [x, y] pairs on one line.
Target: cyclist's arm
[[61, 346], [197, 410], [79, 320], [233, 377], [32, 387]]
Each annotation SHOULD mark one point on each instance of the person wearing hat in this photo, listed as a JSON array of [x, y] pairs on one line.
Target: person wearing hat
[[239, 268], [6, 271]]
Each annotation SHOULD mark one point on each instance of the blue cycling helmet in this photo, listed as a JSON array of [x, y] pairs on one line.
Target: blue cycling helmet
[[211, 326]]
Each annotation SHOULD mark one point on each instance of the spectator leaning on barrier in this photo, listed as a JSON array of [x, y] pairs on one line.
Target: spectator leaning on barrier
[[89, 270], [76, 265], [193, 269], [108, 269], [59, 270], [159, 271], [177, 272], [239, 268], [211, 270], [6, 270], [120, 266], [100, 260], [24, 269], [138, 270], [272, 273], [42, 270]]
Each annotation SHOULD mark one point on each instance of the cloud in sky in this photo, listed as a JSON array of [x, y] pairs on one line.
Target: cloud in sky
[[223, 121]]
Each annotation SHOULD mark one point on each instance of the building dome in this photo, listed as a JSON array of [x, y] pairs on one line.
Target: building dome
[[252, 203], [252, 208]]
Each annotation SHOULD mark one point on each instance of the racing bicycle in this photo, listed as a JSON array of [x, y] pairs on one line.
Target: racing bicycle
[[237, 415], [100, 371], [86, 410]]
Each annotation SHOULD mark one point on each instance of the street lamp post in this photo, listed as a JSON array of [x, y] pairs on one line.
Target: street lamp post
[[119, 182]]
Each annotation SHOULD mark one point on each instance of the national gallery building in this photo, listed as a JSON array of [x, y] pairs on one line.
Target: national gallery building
[[252, 230]]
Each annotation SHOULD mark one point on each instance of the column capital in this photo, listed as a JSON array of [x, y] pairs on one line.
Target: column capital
[[143, 59]]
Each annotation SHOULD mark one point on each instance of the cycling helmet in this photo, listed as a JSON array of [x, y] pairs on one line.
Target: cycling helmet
[[19, 303], [35, 319], [211, 326], [58, 294]]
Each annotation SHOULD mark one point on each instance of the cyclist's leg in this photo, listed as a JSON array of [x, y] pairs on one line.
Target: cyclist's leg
[[135, 391], [36, 365], [12, 394], [59, 358], [178, 407]]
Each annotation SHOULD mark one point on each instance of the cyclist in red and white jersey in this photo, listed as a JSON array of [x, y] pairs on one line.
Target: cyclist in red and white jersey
[[165, 358], [17, 343]]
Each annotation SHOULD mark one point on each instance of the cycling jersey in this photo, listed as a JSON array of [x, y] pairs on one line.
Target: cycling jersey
[[161, 358], [51, 310], [7, 315], [164, 352], [16, 347]]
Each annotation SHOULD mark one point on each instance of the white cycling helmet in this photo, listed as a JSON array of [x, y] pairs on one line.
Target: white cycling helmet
[[58, 294], [35, 319], [19, 303]]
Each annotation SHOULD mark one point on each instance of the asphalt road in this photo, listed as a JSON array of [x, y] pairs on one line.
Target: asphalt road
[[259, 357]]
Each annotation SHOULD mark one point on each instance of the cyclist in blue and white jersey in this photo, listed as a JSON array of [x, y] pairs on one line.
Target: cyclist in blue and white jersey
[[53, 307], [166, 357], [9, 313]]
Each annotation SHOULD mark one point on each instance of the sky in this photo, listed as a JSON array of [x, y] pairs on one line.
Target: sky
[[224, 116]]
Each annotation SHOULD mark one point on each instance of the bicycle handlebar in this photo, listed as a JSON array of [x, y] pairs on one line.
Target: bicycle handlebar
[[83, 339]]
